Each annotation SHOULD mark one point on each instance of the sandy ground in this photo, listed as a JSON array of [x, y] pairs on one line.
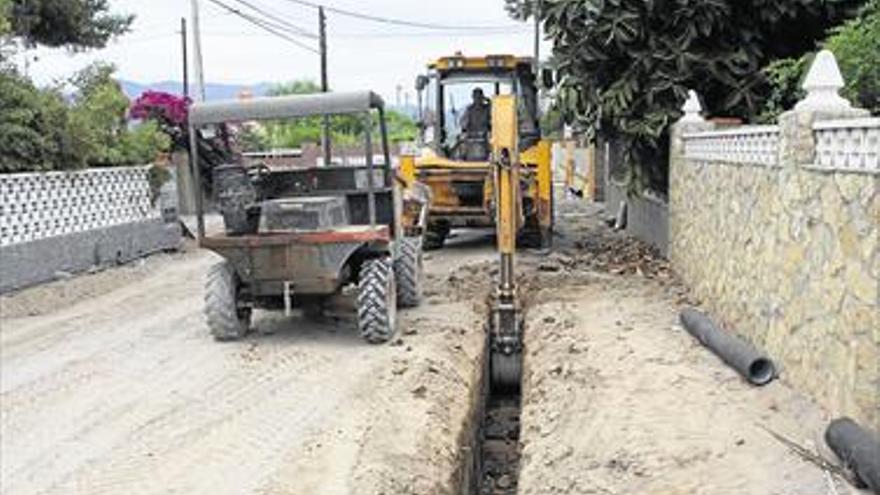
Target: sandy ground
[[110, 383], [619, 399]]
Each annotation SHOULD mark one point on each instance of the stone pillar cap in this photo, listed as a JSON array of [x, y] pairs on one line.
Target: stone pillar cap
[[692, 108], [823, 82]]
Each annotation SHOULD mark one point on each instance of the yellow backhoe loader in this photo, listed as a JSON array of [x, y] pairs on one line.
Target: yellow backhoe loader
[[456, 97]]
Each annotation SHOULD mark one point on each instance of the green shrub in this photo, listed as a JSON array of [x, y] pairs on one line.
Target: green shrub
[[34, 127], [856, 46], [40, 130]]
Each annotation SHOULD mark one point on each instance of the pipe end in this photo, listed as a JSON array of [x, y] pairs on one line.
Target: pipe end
[[762, 371]]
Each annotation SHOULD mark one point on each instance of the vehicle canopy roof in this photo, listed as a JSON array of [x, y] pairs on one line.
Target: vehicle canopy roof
[[283, 107], [459, 62]]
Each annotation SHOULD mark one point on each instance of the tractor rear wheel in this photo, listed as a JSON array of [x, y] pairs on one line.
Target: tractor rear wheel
[[409, 273], [225, 319], [377, 301]]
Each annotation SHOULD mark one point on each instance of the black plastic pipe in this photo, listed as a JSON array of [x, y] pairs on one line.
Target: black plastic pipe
[[858, 449], [755, 367]]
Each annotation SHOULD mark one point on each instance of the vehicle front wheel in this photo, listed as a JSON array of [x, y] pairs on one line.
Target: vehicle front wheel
[[377, 301], [409, 272]]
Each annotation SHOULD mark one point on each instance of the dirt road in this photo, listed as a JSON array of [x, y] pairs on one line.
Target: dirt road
[[111, 384]]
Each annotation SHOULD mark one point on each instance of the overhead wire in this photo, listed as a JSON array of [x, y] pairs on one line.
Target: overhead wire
[[431, 34], [393, 21], [279, 21], [284, 34]]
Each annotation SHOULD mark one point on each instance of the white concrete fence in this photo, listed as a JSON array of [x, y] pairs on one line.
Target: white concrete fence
[[35, 206], [69, 221]]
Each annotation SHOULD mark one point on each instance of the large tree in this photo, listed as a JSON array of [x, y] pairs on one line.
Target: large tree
[[75, 24], [625, 66]]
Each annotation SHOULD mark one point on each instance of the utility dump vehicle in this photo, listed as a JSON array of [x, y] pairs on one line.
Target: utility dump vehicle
[[294, 238]]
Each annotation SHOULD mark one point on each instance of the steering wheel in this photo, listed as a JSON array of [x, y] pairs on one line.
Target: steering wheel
[[257, 170]]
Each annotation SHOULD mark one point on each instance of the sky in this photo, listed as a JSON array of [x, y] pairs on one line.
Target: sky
[[362, 54]]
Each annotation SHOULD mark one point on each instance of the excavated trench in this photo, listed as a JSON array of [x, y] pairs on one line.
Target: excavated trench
[[489, 461], [499, 444], [490, 451]]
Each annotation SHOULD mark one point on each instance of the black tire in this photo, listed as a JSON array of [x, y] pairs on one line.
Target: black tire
[[435, 236], [313, 311], [409, 273], [225, 320], [377, 301]]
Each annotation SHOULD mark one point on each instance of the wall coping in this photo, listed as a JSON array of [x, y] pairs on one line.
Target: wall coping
[[746, 130], [859, 123], [83, 171]]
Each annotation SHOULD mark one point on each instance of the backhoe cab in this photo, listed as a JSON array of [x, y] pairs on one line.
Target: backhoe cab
[[455, 157]]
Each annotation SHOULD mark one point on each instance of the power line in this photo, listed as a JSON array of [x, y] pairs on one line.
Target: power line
[[433, 34], [136, 28], [265, 26], [389, 20], [283, 23], [495, 32]]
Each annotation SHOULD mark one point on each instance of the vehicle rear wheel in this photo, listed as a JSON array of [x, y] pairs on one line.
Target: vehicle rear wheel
[[225, 319], [409, 273], [435, 236], [377, 301], [313, 310]]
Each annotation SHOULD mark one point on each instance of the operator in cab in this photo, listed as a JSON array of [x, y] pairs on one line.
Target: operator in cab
[[475, 125], [477, 117]]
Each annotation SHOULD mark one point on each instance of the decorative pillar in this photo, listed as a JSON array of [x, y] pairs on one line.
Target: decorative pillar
[[692, 121], [823, 102]]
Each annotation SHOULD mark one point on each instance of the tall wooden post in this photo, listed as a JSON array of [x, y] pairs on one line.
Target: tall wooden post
[[325, 87]]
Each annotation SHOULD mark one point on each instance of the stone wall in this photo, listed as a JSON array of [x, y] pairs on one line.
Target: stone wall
[[776, 229]]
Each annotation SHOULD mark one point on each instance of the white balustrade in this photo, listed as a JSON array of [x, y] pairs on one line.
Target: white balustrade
[[756, 145], [39, 205], [851, 145]]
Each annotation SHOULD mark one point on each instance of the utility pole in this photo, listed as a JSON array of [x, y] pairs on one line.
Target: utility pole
[[536, 13], [197, 47], [185, 57], [185, 176], [325, 87]]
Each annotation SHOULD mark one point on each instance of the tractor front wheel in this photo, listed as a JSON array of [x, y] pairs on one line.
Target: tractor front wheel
[[377, 301]]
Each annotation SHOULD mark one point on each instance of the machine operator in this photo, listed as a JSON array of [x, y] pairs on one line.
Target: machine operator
[[475, 124]]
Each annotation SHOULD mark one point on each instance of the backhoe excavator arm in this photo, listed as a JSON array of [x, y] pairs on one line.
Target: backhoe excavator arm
[[506, 331]]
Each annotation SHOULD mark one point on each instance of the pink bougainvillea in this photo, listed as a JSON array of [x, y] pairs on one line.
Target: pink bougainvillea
[[171, 108]]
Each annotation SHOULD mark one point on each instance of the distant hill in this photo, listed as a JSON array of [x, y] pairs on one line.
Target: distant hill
[[213, 91]]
